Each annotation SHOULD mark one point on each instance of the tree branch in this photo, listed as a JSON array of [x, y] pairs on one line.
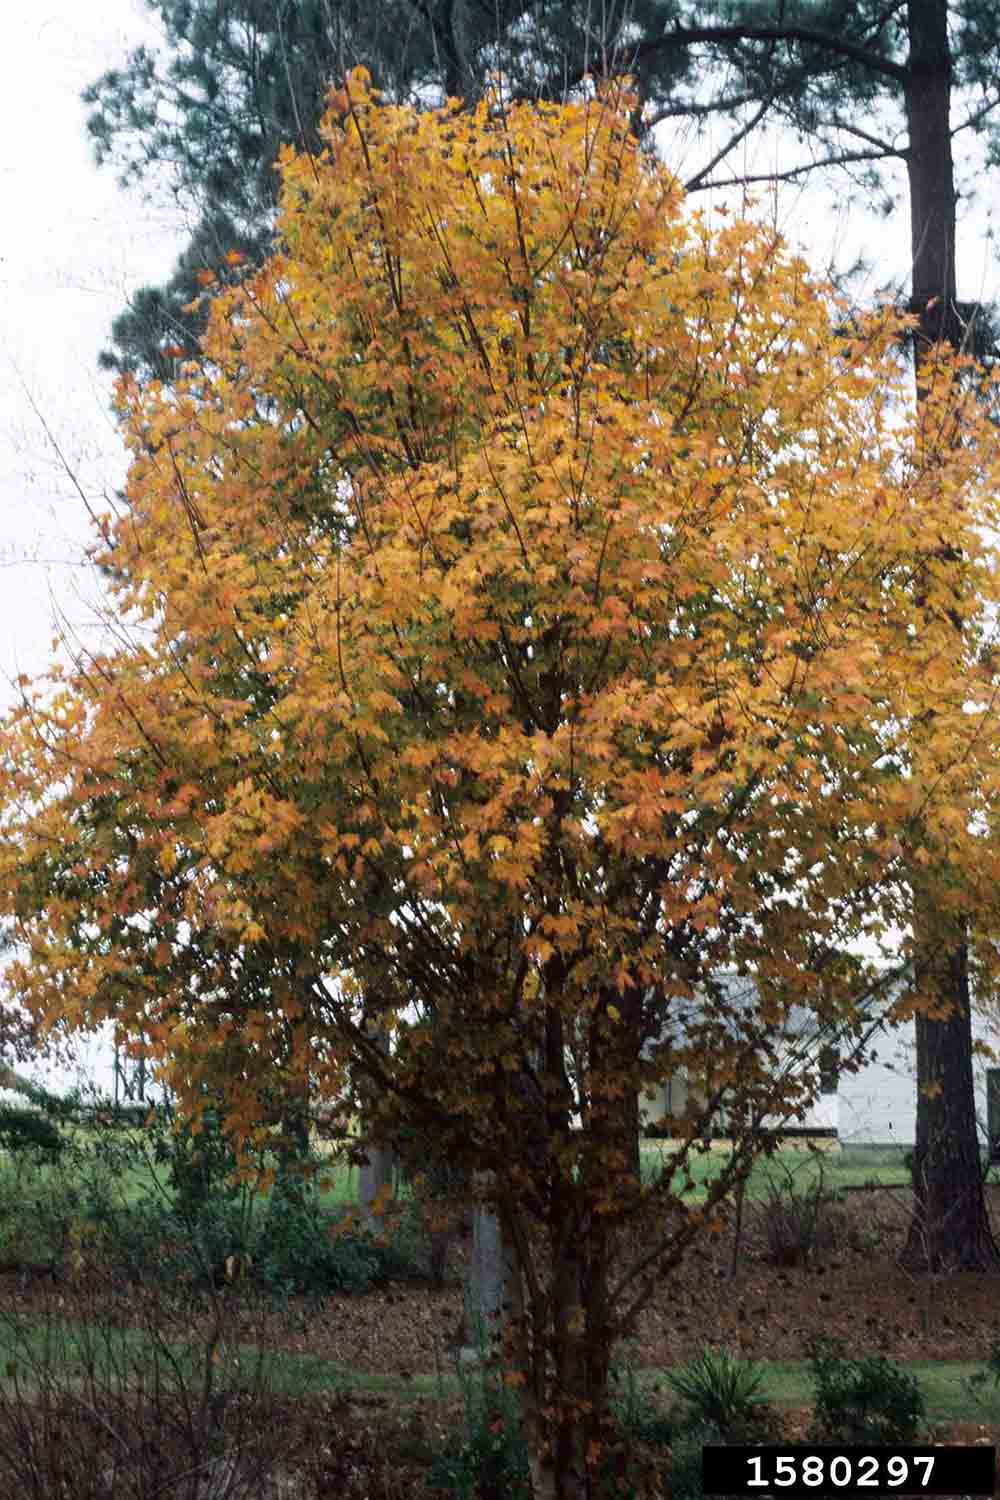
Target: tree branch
[[977, 116], [694, 183], [844, 159], [689, 36]]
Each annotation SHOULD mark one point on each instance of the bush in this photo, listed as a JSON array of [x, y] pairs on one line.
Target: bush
[[723, 1393], [90, 1410], [25, 1131], [799, 1222], [299, 1249], [283, 1249], [685, 1462], [187, 1224], [868, 1400], [44, 1203]]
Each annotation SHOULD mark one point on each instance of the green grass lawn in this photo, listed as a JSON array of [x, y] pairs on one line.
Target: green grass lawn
[[787, 1383], [846, 1168], [945, 1384], [795, 1166], [840, 1169]]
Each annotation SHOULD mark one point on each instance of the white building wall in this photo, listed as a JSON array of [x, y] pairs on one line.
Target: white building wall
[[877, 1106], [823, 1113]]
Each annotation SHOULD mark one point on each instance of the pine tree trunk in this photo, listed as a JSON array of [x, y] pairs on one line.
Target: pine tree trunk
[[949, 1224], [949, 1229]]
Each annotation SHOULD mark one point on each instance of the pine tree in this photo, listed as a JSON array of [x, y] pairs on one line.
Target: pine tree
[[240, 78]]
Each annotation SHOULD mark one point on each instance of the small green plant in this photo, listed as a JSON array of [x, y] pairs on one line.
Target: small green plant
[[867, 1400], [722, 1392], [492, 1462], [637, 1417], [983, 1384], [685, 1462]]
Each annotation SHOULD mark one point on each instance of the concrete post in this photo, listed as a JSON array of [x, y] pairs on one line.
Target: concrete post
[[374, 1174], [491, 1287]]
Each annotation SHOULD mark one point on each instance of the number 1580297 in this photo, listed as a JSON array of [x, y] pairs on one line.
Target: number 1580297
[[822, 1470]]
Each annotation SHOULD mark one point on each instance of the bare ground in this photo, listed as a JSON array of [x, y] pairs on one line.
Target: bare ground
[[373, 1446], [853, 1290]]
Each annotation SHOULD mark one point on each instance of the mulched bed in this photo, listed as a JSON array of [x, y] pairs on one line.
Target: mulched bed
[[855, 1291], [373, 1446]]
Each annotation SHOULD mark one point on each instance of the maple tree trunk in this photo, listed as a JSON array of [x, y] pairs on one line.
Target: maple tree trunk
[[949, 1226], [562, 1347], [569, 1442], [631, 1113], [581, 1368]]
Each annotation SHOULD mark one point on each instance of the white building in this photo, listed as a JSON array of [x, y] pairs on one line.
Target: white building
[[873, 1106], [877, 1106]]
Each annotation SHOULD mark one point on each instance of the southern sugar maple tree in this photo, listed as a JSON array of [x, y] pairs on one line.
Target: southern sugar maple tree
[[563, 587]]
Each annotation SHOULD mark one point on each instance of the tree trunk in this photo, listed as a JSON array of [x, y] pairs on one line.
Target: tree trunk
[[630, 1109], [930, 170], [582, 1358], [949, 1229], [949, 1224]]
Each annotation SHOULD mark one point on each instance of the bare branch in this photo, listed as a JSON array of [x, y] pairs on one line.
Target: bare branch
[[791, 174], [694, 183], [689, 36]]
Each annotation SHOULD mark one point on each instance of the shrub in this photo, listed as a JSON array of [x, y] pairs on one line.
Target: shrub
[[90, 1410], [798, 1222], [867, 1400], [186, 1224], [25, 1131], [43, 1204], [723, 1393], [685, 1462], [284, 1249], [298, 1249]]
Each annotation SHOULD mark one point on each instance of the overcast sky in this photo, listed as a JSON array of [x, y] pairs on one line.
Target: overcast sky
[[72, 249]]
